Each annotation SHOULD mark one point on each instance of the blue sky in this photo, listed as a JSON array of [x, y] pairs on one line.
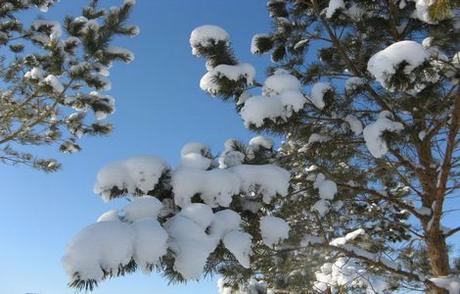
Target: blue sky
[[159, 108]]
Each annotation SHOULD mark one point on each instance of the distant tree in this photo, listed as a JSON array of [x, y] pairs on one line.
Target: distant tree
[[372, 154], [53, 75]]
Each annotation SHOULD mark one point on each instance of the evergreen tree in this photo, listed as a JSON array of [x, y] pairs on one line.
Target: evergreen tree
[[365, 95], [53, 75]]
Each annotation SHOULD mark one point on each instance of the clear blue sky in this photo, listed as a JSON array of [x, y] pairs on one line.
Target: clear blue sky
[[159, 108]]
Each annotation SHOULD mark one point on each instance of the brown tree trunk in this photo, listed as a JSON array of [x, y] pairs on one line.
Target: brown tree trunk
[[438, 256]]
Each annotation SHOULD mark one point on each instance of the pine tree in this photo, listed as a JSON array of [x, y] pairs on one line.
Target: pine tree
[[365, 95], [53, 77]]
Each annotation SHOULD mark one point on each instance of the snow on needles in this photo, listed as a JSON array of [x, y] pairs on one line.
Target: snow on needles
[[132, 175], [373, 134], [54, 83], [273, 230], [281, 98], [355, 124], [350, 236], [192, 245], [327, 190], [142, 207], [261, 141], [209, 81], [216, 187], [384, 64], [347, 272], [317, 94], [207, 35], [100, 246], [103, 247]]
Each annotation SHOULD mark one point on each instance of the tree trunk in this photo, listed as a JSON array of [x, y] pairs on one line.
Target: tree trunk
[[438, 255]]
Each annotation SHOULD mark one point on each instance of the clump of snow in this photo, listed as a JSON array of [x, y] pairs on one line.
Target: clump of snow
[[225, 226], [243, 97], [301, 43], [230, 158], [224, 221], [322, 206], [355, 124], [239, 244], [194, 147], [132, 175], [236, 72], [273, 230], [150, 243], [421, 135], [35, 73], [346, 272], [373, 134], [456, 59], [207, 35], [259, 108], [102, 246], [54, 83], [384, 64], [195, 160], [216, 187], [317, 94], [261, 141], [292, 101], [350, 236], [327, 188], [279, 82], [334, 5], [281, 98], [421, 11], [142, 207], [268, 179], [189, 241], [451, 284], [199, 213]]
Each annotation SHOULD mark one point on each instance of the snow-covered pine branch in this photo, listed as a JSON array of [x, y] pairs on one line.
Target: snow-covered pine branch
[[180, 218], [54, 77]]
